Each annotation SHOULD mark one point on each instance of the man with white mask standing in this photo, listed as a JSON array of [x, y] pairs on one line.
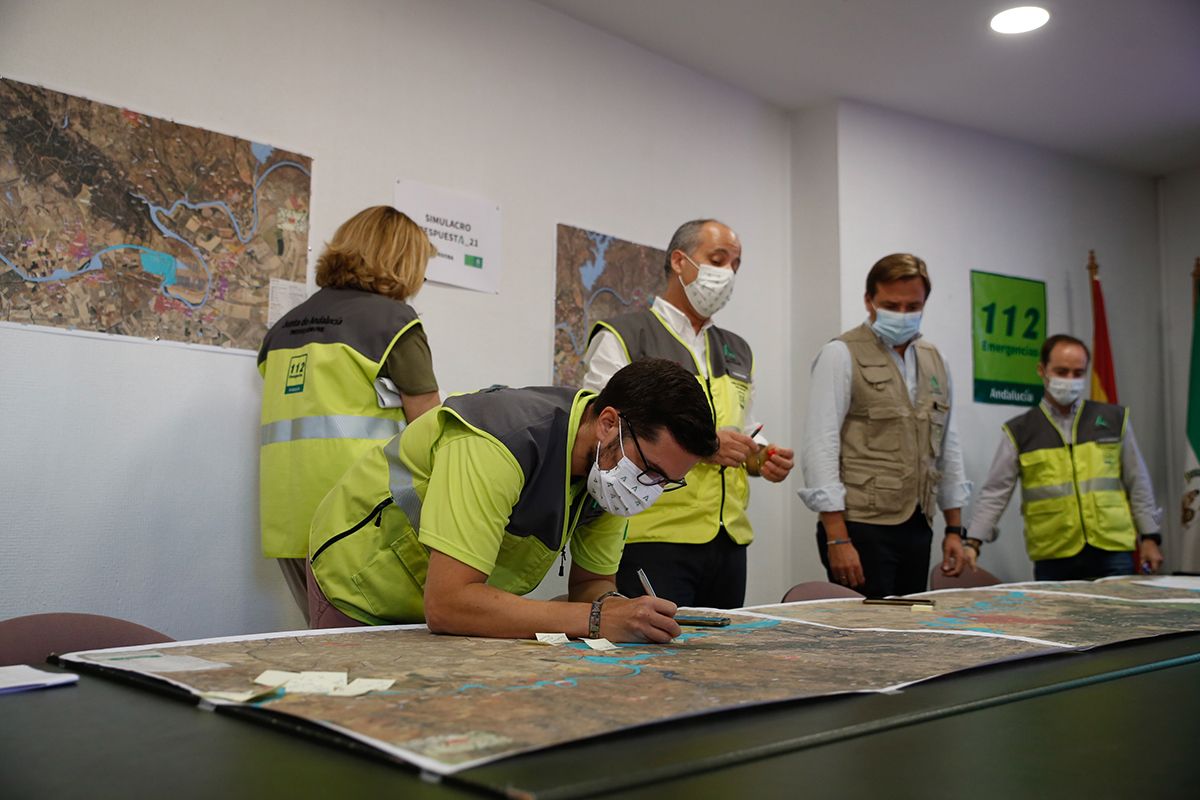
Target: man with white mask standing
[[692, 543], [880, 448], [1085, 491]]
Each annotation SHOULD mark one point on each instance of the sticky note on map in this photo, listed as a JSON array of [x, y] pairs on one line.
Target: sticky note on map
[[599, 644], [275, 677], [316, 682], [552, 638]]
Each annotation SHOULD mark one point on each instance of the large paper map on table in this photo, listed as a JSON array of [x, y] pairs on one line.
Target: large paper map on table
[[458, 702]]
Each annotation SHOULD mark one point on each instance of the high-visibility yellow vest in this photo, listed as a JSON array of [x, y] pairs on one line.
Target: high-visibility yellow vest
[[891, 446], [366, 554], [715, 497], [321, 406], [1072, 494]]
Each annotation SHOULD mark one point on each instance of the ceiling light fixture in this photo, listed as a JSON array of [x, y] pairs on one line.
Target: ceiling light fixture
[[1020, 20]]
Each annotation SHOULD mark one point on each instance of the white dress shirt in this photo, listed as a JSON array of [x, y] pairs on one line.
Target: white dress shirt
[[605, 355], [1006, 470], [828, 404]]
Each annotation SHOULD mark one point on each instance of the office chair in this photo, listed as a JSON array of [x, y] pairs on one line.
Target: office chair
[[32, 638], [817, 590], [967, 580]]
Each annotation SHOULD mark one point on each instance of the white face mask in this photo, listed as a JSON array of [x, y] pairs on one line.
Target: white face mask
[[896, 328], [618, 490], [1065, 391], [711, 290]]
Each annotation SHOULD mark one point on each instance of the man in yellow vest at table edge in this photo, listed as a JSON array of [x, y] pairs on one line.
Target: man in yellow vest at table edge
[[1086, 496], [473, 503]]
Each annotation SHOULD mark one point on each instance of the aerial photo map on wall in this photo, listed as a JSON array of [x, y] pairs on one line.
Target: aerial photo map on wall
[[118, 222]]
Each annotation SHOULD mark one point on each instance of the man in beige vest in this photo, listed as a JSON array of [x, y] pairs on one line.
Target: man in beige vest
[[880, 449]]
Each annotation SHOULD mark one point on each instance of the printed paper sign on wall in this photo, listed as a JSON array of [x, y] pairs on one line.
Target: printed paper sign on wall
[[1008, 326], [464, 229]]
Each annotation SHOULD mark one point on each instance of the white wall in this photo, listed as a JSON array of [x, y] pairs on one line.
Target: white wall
[[130, 468], [964, 201], [1179, 206], [816, 280]]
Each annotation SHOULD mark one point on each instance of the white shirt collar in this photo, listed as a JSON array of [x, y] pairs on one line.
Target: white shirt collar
[[678, 320]]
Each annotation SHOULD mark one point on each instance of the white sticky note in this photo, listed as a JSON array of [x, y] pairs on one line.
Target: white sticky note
[[552, 638], [275, 677], [360, 686], [599, 644], [315, 682]]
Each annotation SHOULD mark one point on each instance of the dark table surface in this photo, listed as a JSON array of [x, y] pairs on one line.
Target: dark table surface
[[1119, 721]]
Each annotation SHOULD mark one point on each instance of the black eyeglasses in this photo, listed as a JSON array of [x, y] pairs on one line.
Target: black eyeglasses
[[651, 475]]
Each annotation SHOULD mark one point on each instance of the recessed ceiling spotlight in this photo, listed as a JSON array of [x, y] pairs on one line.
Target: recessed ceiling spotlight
[[1020, 20]]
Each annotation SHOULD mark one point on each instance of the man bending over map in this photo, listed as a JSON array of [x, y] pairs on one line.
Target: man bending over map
[[469, 507]]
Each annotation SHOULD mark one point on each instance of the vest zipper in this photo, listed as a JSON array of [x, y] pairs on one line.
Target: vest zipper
[[562, 564], [374, 516], [713, 405], [1078, 499]]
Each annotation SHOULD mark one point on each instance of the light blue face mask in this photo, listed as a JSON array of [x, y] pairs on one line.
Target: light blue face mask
[[896, 328]]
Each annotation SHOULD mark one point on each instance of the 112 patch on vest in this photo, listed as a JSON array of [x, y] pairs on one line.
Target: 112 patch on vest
[[297, 368]]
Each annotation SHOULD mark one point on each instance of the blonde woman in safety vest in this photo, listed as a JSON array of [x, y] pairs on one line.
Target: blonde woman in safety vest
[[344, 370], [1085, 493]]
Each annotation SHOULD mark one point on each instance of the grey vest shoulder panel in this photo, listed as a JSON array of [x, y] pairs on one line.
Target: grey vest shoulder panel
[[645, 336], [1098, 422], [364, 321], [533, 424]]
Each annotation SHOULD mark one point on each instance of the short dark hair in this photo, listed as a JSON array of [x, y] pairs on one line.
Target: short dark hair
[[898, 267], [687, 238], [654, 393], [1062, 338]]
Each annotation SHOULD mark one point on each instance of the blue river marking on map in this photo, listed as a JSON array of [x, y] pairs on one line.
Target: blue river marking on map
[[161, 264], [959, 620], [587, 305], [262, 152], [156, 259], [590, 271], [632, 662]]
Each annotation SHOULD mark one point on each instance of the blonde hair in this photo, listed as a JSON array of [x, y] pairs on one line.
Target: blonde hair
[[378, 250], [897, 267]]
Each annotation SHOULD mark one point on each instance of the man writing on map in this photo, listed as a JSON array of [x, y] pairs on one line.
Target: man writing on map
[[693, 543], [474, 502]]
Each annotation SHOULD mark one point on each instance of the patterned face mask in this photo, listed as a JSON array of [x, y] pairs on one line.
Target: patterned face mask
[[711, 290], [618, 490]]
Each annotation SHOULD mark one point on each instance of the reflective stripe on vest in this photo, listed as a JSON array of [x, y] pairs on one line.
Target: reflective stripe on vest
[[328, 427], [400, 484]]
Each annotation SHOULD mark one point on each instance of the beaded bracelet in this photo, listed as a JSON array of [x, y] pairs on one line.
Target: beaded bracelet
[[594, 615]]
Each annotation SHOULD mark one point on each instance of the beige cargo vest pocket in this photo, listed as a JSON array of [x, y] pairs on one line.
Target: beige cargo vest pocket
[[873, 492]]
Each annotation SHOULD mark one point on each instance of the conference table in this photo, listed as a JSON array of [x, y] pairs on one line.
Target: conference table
[[1117, 721]]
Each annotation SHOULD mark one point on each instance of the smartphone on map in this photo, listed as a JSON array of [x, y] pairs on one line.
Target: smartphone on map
[[702, 621]]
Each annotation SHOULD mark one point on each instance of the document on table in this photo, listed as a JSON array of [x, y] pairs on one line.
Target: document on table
[[21, 678]]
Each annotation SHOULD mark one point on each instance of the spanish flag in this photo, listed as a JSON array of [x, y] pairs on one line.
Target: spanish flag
[[1104, 377]]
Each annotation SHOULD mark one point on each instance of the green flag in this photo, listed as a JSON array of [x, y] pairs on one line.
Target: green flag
[[1191, 458]]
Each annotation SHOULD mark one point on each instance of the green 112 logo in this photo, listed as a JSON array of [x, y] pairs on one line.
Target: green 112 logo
[[1032, 316]]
